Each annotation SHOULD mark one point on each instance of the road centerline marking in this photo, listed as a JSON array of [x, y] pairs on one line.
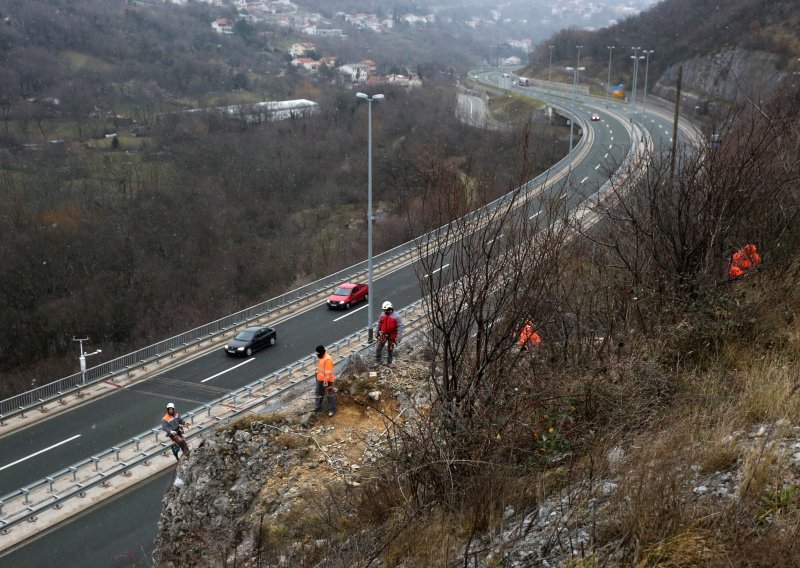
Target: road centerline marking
[[437, 270], [351, 312], [227, 370], [33, 455]]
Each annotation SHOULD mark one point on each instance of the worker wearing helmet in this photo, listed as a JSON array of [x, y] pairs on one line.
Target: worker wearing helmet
[[388, 331], [173, 424]]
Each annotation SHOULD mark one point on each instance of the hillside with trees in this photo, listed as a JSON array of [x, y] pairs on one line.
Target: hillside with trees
[[677, 30]]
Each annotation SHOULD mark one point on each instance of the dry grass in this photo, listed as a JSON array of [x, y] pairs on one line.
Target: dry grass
[[687, 549]]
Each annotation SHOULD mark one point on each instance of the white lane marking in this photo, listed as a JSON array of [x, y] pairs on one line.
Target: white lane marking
[[494, 239], [227, 370], [351, 312], [610, 146], [437, 270], [584, 179], [612, 138], [606, 156], [33, 455], [538, 212], [597, 167]]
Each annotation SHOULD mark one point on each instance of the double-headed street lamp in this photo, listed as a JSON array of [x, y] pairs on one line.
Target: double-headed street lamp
[[608, 83], [369, 208], [636, 57], [82, 358], [550, 69], [575, 71], [646, 69]]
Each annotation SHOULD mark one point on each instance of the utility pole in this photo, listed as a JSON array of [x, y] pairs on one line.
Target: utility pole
[[83, 356]]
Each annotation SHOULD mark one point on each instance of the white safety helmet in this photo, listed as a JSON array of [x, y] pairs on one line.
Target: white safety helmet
[[387, 306], [170, 405]]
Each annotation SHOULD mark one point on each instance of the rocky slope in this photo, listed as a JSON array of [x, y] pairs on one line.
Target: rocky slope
[[249, 479], [714, 81]]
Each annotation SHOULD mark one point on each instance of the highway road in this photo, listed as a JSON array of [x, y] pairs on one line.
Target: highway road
[[110, 533]]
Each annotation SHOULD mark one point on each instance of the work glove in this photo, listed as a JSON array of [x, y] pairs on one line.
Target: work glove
[[173, 433]]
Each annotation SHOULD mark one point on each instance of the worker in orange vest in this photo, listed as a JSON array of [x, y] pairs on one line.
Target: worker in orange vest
[[528, 336], [743, 261], [325, 380]]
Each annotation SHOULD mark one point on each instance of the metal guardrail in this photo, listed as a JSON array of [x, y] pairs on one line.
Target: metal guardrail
[[53, 490], [31, 399]]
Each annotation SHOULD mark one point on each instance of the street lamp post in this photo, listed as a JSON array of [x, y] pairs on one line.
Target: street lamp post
[[608, 83], [646, 69], [550, 69], [82, 358], [575, 71], [369, 208], [636, 57]]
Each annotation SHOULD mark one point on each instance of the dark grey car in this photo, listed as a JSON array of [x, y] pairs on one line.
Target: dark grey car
[[250, 340]]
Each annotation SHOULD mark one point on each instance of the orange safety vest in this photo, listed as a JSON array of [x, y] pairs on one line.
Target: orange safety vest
[[528, 336], [743, 261], [169, 423], [325, 369]]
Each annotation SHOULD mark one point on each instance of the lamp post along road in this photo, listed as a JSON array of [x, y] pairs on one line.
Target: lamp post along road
[[575, 71], [646, 69], [369, 209], [550, 69], [608, 83], [636, 57]]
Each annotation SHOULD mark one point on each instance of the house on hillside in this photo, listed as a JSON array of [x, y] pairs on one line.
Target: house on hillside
[[222, 26], [306, 63], [323, 32], [301, 49], [354, 72], [407, 81]]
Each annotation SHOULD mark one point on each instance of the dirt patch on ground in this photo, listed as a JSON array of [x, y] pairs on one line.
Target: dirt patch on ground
[[341, 449]]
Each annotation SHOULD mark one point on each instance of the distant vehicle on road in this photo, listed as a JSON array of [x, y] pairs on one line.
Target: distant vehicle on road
[[250, 340], [595, 116], [347, 295], [523, 82]]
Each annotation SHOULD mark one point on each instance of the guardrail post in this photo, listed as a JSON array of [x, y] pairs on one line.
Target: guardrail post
[[208, 410], [50, 481], [22, 414], [116, 451], [1, 507], [155, 432], [96, 461], [136, 440], [74, 471], [25, 493]]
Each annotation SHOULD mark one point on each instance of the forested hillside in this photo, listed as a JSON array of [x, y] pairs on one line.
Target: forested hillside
[[678, 30]]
